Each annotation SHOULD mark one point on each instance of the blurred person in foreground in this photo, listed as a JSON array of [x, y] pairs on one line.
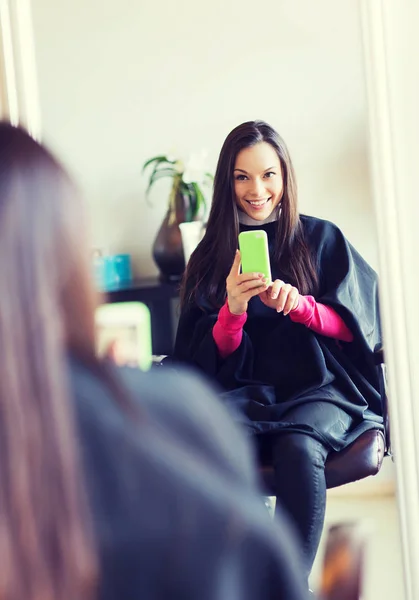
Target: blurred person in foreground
[[114, 484]]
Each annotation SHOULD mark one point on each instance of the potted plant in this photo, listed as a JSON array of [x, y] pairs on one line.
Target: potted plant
[[187, 205]]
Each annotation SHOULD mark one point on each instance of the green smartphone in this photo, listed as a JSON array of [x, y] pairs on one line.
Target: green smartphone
[[128, 326], [254, 253]]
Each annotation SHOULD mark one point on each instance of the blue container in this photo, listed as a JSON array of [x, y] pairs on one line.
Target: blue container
[[122, 268], [112, 271]]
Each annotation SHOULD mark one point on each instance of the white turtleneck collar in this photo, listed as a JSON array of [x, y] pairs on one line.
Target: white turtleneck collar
[[244, 218]]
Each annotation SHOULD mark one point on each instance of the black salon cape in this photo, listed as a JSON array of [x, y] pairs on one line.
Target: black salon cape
[[280, 364]]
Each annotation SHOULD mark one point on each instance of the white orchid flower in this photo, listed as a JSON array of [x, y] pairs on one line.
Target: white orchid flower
[[195, 167]]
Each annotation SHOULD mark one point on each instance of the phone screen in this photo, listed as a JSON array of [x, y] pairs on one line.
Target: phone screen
[[124, 341], [123, 333], [255, 252]]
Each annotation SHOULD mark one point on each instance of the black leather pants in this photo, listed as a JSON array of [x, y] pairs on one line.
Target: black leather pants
[[299, 462]]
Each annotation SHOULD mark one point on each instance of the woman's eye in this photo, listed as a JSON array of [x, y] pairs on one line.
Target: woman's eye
[[240, 177], [269, 174]]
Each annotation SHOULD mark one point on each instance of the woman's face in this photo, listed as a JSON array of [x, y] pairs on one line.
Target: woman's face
[[258, 184]]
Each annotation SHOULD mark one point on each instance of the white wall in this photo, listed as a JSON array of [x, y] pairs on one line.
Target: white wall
[[392, 43], [122, 81]]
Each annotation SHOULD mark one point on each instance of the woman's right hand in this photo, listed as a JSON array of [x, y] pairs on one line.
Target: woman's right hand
[[243, 286]]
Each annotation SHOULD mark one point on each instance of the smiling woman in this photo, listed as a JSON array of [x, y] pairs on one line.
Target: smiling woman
[[295, 357]]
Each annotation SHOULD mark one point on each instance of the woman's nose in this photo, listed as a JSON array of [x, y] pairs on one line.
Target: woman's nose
[[257, 188]]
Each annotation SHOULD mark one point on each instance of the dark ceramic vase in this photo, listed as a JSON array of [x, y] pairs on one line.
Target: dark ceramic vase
[[168, 250], [167, 247]]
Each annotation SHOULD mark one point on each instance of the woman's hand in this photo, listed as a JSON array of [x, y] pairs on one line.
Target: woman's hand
[[243, 286], [281, 296], [116, 352]]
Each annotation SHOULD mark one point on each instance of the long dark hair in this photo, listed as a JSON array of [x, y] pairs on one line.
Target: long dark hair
[[46, 309], [210, 264]]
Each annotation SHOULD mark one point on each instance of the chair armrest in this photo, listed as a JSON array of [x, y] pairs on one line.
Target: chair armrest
[[379, 360], [379, 355], [158, 360]]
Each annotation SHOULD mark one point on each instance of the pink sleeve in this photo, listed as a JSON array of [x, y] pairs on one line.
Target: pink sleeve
[[228, 331], [321, 319]]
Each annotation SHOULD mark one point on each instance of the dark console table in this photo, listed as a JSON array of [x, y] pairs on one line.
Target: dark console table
[[162, 298]]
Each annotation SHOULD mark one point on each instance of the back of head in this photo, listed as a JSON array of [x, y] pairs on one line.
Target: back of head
[[46, 309]]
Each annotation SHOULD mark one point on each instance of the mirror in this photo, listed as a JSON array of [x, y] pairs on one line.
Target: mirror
[[128, 82]]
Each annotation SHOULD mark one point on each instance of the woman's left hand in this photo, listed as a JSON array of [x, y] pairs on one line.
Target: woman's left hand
[[281, 296]]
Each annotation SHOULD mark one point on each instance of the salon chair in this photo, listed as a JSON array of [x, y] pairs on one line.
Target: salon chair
[[360, 459]]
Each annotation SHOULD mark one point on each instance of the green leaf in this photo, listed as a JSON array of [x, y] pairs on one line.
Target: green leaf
[[154, 171], [200, 199], [157, 159], [159, 174], [189, 214], [189, 195]]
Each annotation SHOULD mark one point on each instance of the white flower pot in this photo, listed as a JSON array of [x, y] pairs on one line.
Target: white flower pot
[[192, 234]]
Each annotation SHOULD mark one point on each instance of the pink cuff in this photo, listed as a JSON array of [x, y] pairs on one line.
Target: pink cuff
[[304, 311], [320, 318], [228, 331]]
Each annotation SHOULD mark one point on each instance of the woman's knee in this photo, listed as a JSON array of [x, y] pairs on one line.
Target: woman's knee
[[297, 448]]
